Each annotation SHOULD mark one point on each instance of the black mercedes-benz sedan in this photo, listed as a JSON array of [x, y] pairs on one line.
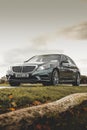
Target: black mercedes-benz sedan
[[49, 69]]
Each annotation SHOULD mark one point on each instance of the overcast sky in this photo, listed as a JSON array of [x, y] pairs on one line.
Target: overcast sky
[[29, 27]]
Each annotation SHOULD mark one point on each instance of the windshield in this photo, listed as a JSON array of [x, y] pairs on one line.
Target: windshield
[[44, 58]]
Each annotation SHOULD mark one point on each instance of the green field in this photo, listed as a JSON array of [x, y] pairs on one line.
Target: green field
[[29, 95]]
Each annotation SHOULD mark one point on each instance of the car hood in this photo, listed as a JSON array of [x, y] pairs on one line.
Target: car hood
[[35, 63], [29, 64]]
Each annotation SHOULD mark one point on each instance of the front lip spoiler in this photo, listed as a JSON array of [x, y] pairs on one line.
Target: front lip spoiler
[[28, 80]]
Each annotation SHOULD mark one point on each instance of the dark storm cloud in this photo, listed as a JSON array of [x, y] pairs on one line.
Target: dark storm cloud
[[78, 32], [75, 32]]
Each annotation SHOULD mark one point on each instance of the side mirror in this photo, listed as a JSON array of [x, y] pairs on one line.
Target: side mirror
[[65, 63]]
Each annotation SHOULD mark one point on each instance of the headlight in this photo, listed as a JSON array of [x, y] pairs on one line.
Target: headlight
[[43, 67]]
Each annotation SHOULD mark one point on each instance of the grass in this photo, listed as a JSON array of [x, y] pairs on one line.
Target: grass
[[28, 95], [4, 84]]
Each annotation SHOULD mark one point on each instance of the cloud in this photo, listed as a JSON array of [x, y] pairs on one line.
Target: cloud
[[47, 43], [60, 41], [44, 39], [38, 45], [77, 32]]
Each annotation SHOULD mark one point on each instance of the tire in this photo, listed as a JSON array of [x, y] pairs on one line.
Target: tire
[[55, 77], [77, 81], [46, 83], [14, 84]]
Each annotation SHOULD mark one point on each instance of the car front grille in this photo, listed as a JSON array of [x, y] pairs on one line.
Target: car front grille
[[28, 68], [23, 69]]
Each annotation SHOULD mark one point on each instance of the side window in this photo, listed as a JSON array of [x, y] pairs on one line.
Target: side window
[[71, 62], [63, 58]]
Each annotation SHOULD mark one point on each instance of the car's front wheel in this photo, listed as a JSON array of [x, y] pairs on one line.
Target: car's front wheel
[[55, 77], [46, 83], [14, 83], [77, 81]]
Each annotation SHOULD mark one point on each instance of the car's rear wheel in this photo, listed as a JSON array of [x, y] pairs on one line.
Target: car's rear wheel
[[77, 81], [14, 83], [55, 77]]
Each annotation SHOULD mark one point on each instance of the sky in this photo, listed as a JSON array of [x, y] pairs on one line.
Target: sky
[[30, 27]]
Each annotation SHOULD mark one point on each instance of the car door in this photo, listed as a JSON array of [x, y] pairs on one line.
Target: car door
[[65, 71], [72, 68]]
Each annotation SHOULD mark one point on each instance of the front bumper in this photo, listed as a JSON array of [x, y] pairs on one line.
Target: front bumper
[[35, 77]]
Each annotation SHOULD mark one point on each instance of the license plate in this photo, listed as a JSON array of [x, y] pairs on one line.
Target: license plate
[[22, 75]]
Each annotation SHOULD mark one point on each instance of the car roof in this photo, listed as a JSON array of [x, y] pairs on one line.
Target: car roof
[[48, 54]]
